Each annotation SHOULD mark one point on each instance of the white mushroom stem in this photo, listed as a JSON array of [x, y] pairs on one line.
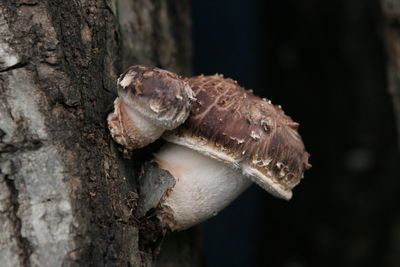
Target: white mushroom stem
[[204, 186], [131, 129]]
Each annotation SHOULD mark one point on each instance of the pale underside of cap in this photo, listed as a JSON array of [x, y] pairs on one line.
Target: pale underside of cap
[[205, 147], [203, 186]]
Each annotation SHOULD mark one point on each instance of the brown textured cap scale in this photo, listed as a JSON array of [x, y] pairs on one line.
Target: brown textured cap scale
[[159, 95], [232, 125]]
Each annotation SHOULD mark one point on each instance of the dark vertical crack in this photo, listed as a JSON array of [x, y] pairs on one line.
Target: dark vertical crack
[[23, 243], [6, 170]]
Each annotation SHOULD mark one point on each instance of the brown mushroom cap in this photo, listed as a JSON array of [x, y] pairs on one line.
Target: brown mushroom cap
[[234, 126], [159, 95]]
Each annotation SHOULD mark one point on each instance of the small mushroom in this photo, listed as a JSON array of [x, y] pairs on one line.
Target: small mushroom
[[231, 138], [150, 101]]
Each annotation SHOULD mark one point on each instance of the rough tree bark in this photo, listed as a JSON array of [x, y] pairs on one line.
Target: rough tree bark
[[391, 12], [66, 194]]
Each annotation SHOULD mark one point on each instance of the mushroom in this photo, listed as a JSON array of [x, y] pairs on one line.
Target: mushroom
[[150, 101], [231, 138]]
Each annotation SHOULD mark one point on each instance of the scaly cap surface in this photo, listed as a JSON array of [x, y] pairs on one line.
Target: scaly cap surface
[[234, 126]]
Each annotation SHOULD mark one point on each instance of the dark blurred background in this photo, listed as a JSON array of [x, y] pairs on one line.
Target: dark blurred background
[[324, 62]]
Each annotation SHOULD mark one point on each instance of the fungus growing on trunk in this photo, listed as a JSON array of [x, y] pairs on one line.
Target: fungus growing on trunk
[[150, 101], [231, 138]]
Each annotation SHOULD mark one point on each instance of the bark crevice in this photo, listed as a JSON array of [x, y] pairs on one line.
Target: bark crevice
[[22, 242], [16, 66]]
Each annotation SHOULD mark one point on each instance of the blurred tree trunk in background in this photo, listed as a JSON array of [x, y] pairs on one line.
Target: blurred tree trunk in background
[[391, 12], [66, 195]]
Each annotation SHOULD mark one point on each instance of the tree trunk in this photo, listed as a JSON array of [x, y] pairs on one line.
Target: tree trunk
[[391, 11], [66, 194]]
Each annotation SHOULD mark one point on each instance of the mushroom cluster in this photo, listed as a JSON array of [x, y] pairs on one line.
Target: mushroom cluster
[[230, 139]]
